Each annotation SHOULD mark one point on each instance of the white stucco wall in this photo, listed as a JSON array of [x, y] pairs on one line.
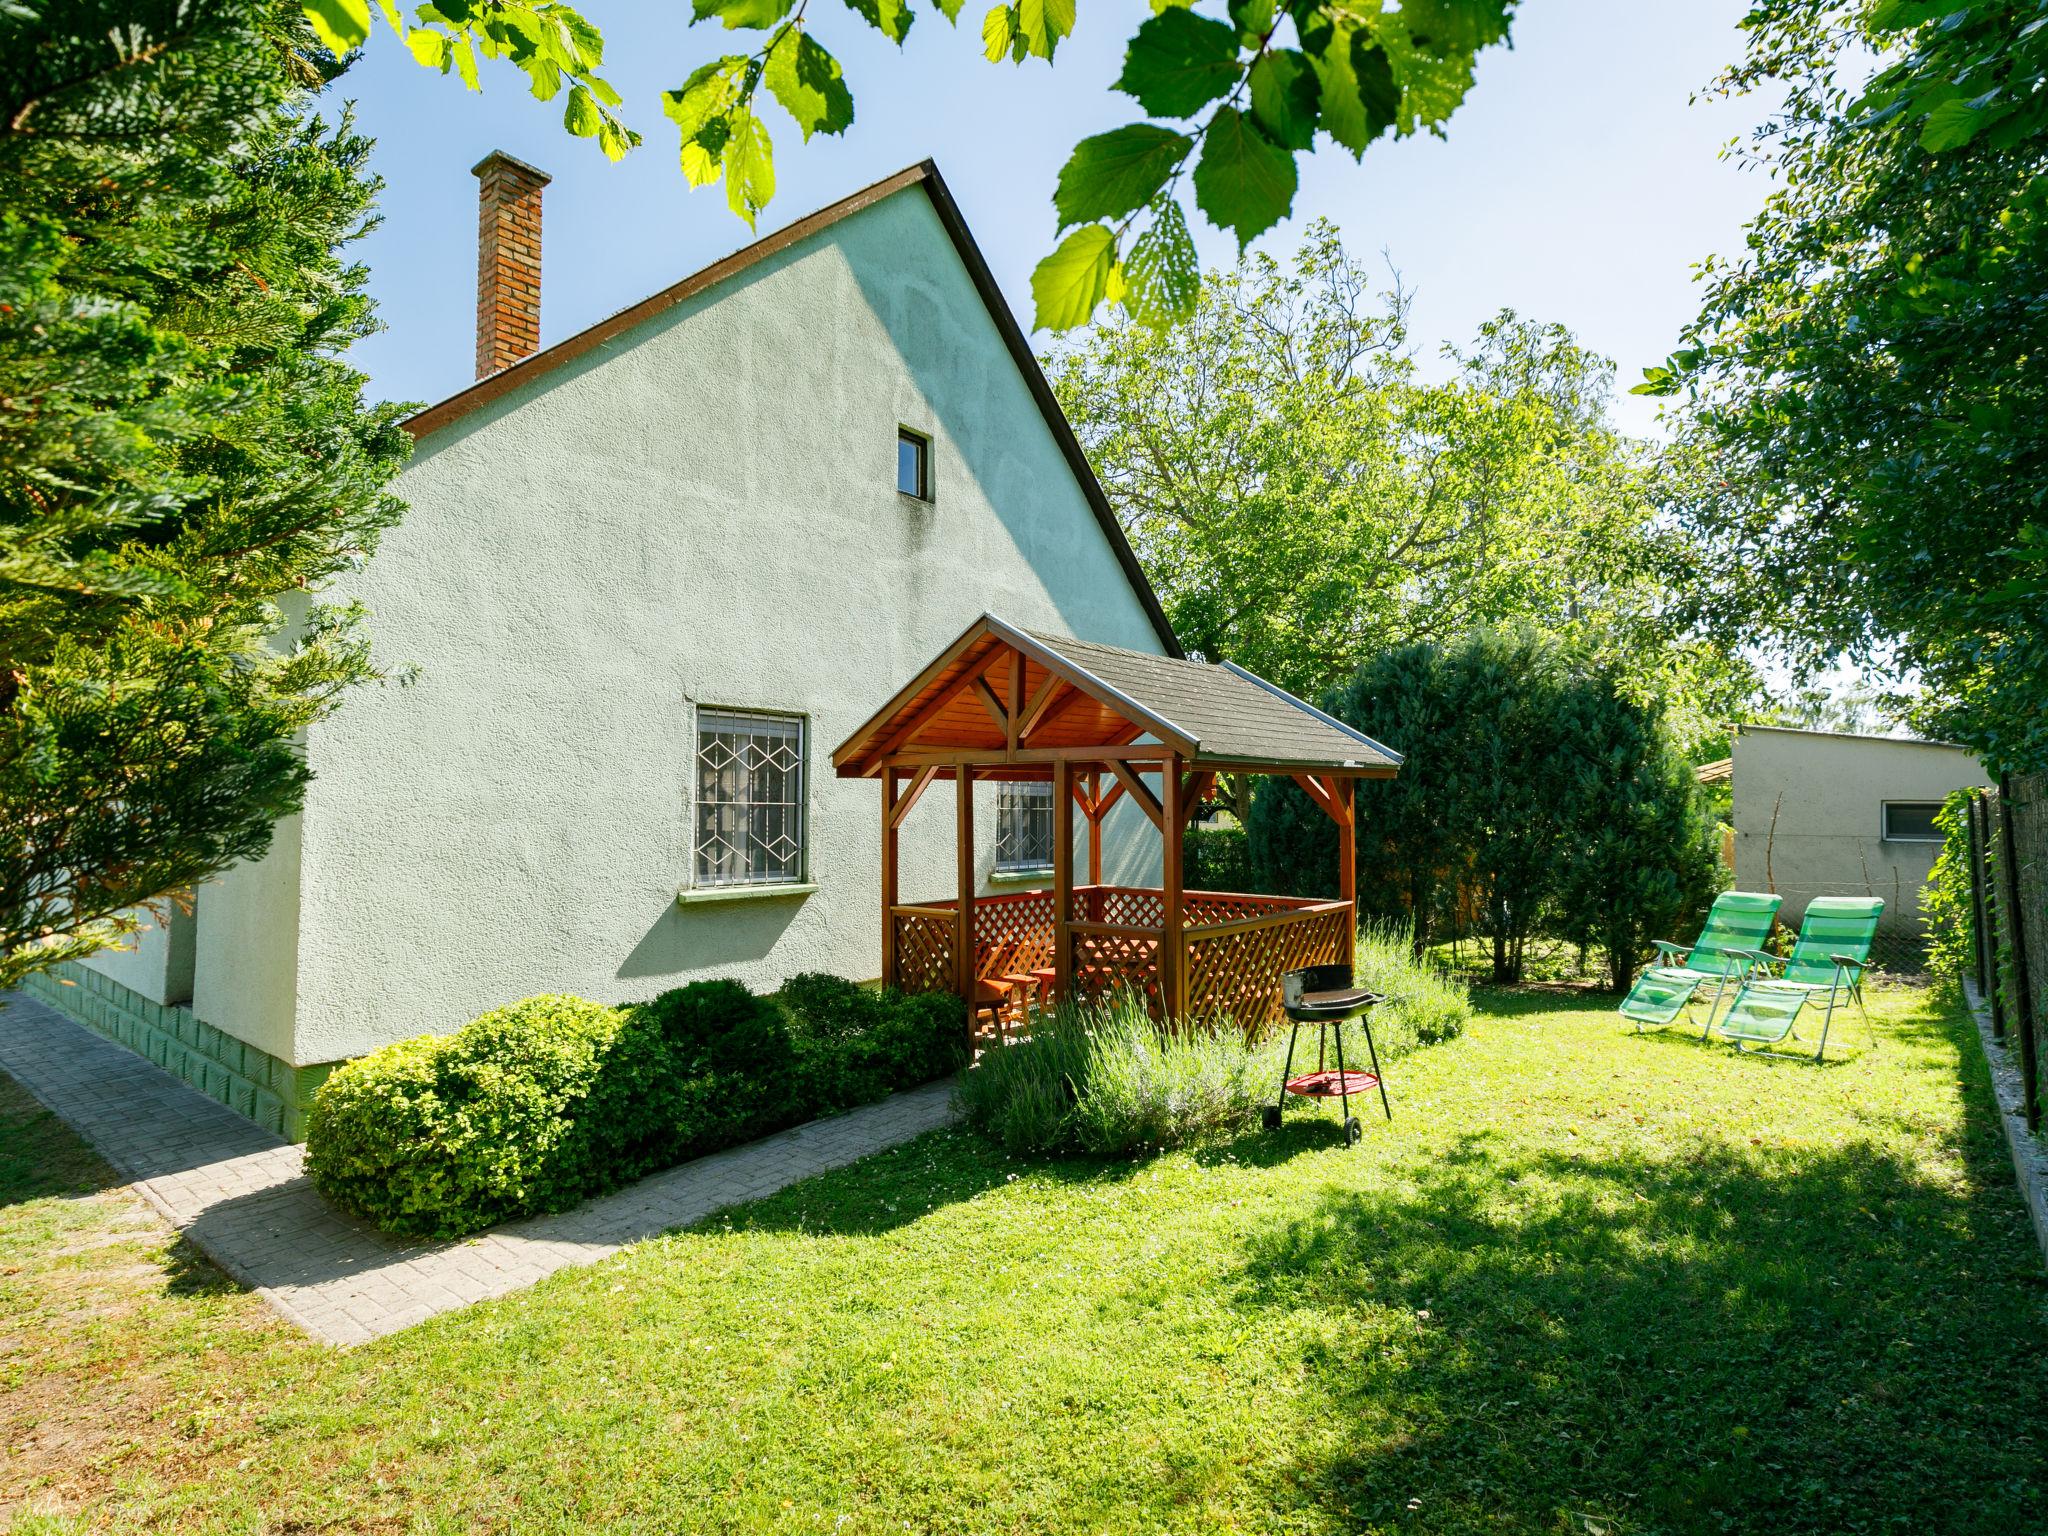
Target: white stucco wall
[[1809, 816], [702, 513], [245, 962], [158, 961]]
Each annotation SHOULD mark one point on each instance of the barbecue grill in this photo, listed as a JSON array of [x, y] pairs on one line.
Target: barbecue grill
[[1325, 996]]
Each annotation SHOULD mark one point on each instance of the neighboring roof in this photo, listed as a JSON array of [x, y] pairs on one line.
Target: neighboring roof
[[925, 174], [1892, 741], [1100, 696], [1719, 772]]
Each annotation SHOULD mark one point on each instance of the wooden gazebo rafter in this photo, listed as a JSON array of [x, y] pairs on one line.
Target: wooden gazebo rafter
[[1103, 725]]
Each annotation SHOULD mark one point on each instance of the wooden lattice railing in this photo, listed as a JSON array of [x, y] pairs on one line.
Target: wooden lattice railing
[[1235, 945], [1234, 968]]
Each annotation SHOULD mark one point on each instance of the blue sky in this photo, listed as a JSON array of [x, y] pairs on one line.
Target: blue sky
[[1577, 184]]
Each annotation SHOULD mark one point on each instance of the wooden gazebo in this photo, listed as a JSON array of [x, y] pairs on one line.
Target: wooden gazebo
[[1105, 724]]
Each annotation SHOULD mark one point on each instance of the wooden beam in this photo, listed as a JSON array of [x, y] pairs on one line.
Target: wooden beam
[[1139, 791], [1337, 792], [1095, 824], [1014, 713], [890, 818], [1172, 948], [917, 787], [994, 706], [1194, 789], [1103, 803], [963, 909], [991, 757], [1040, 702], [1051, 709], [930, 710], [1315, 791], [1062, 876]]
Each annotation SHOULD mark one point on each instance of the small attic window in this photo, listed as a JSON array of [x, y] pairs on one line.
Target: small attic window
[[913, 464]]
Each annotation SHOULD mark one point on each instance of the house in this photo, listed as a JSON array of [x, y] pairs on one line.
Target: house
[[649, 576], [1819, 813]]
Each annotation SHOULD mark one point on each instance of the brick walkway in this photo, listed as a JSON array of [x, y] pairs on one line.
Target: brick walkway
[[239, 1194]]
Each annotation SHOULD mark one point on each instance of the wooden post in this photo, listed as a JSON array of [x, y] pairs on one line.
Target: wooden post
[[1062, 875], [889, 897], [1980, 914], [1095, 827], [1172, 962], [2016, 941], [963, 916], [1346, 800]]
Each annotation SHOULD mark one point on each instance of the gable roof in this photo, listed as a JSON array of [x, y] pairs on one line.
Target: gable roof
[[925, 175], [1068, 696]]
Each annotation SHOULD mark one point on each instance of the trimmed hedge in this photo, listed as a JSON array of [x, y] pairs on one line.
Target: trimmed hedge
[[538, 1105]]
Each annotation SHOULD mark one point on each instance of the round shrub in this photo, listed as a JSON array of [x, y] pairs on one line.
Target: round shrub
[[443, 1135]]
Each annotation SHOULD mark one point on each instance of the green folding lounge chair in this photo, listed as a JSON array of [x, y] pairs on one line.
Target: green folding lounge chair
[[1825, 967], [1737, 925]]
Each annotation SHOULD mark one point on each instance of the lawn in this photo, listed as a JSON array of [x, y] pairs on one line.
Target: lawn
[[1585, 1282]]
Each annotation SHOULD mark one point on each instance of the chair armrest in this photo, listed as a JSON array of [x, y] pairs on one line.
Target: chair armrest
[[1672, 951], [1850, 962], [1759, 960]]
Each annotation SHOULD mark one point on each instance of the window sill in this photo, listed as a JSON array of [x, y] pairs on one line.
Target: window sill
[[1021, 876], [690, 895]]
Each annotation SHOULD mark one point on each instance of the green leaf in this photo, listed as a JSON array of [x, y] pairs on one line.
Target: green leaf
[[950, 9], [758, 14], [1068, 284], [463, 51], [1162, 273], [1359, 95], [807, 80], [1950, 126], [1456, 26], [1178, 63], [581, 116], [1253, 20], [428, 47], [1042, 23], [749, 167], [998, 31], [1244, 181], [892, 18], [1113, 173], [342, 25], [1284, 94]]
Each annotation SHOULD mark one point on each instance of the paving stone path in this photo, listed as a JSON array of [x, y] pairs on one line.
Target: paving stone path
[[239, 1192]]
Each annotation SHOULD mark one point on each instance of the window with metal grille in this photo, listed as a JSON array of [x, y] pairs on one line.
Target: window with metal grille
[[1023, 827], [1911, 821], [750, 799]]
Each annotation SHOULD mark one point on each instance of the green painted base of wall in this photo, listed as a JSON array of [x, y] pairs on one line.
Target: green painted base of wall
[[273, 1093]]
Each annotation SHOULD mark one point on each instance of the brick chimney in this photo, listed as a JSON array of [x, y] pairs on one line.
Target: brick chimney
[[507, 261]]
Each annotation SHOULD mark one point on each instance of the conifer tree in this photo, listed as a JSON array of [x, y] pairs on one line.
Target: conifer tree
[[185, 461]]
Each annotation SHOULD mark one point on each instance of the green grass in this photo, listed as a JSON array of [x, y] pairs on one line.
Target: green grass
[[1584, 1282]]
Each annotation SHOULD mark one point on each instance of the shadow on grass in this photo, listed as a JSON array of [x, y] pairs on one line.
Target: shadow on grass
[[41, 1156], [1819, 1338]]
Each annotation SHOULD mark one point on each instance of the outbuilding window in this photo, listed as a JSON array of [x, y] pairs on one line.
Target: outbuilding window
[[750, 798], [913, 464], [1023, 828], [1911, 821]]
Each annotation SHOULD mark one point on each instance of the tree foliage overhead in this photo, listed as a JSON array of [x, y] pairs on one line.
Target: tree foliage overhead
[[1867, 378], [1305, 498], [1227, 102], [182, 454]]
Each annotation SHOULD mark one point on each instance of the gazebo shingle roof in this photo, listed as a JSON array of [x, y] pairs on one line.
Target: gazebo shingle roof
[[1094, 696], [1229, 713]]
